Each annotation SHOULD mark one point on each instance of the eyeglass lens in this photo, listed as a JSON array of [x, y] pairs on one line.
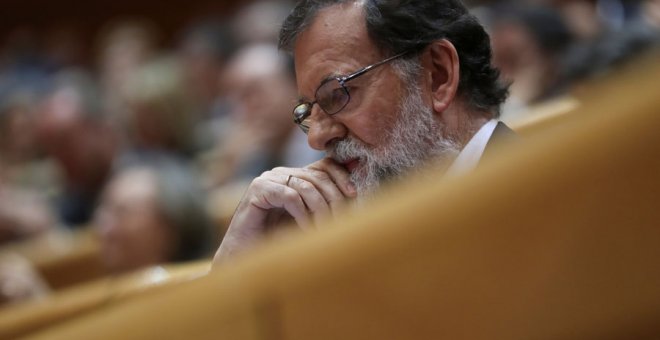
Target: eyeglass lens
[[332, 97]]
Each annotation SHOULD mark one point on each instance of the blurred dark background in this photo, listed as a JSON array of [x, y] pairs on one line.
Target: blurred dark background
[[77, 23]]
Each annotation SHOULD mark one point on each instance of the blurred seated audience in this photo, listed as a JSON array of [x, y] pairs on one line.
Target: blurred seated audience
[[593, 59], [19, 281], [203, 51], [650, 12], [122, 47], [17, 138], [259, 22], [74, 133], [26, 179], [22, 62], [159, 117], [152, 212], [528, 47], [582, 19], [23, 214], [260, 87]]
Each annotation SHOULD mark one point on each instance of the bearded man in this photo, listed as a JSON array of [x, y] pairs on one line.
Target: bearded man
[[386, 86]]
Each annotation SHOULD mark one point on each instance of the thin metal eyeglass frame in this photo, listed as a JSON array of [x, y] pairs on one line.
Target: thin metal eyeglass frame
[[299, 118]]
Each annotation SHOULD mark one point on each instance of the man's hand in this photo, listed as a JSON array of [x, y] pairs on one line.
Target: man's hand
[[307, 195]]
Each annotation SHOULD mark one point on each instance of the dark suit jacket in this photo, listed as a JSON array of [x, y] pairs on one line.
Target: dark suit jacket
[[501, 135]]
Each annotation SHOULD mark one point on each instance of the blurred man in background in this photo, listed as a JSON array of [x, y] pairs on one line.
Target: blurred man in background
[[26, 179], [529, 44], [73, 130], [260, 88], [159, 117], [203, 52]]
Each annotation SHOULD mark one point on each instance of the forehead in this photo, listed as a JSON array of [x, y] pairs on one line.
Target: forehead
[[336, 42]]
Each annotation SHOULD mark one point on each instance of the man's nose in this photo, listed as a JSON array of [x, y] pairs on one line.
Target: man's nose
[[324, 130]]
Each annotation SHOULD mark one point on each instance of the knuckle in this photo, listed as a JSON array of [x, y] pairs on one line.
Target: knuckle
[[258, 182], [323, 176], [265, 174], [290, 194], [318, 174], [306, 186], [254, 200]]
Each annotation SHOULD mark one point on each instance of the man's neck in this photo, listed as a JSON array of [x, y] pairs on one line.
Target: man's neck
[[461, 124]]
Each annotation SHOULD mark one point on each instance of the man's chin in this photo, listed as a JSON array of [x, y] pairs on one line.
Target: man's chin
[[365, 184]]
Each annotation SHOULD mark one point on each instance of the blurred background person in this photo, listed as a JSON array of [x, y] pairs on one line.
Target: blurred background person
[[74, 132], [122, 47], [650, 13], [582, 18], [261, 89], [203, 51], [152, 212], [19, 281], [22, 62], [159, 117], [608, 53], [23, 214], [529, 45], [260, 21], [27, 180]]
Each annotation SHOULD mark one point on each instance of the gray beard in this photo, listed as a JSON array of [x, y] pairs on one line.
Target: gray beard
[[416, 140]]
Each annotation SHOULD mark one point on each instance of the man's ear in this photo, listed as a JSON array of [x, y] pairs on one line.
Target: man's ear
[[441, 59]]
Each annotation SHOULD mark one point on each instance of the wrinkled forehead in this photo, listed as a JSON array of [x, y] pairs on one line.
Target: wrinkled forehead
[[336, 42]]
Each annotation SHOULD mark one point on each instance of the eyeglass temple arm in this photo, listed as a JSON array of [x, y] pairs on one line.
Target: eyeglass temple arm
[[370, 67]]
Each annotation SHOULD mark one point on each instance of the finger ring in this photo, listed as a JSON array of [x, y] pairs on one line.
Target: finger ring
[[288, 179]]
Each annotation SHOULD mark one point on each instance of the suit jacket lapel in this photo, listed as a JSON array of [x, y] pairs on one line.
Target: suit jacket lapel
[[501, 135]]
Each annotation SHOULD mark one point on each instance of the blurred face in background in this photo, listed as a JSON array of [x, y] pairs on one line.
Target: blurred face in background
[[158, 108], [651, 12], [84, 148], [582, 18], [133, 232], [17, 132], [514, 49], [201, 68], [260, 91]]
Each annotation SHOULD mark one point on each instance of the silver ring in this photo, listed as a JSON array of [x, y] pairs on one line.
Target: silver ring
[[288, 179]]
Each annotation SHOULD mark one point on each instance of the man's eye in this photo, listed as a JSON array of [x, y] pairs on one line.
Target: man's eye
[[338, 95]]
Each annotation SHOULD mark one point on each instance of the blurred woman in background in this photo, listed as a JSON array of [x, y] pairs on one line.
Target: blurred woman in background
[[152, 212]]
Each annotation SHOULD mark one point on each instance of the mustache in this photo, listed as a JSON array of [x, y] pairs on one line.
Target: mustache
[[347, 149]]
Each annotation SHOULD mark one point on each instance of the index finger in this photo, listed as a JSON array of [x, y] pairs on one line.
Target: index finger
[[337, 174]]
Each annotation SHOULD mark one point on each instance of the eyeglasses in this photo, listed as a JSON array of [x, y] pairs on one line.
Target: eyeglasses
[[332, 95]]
